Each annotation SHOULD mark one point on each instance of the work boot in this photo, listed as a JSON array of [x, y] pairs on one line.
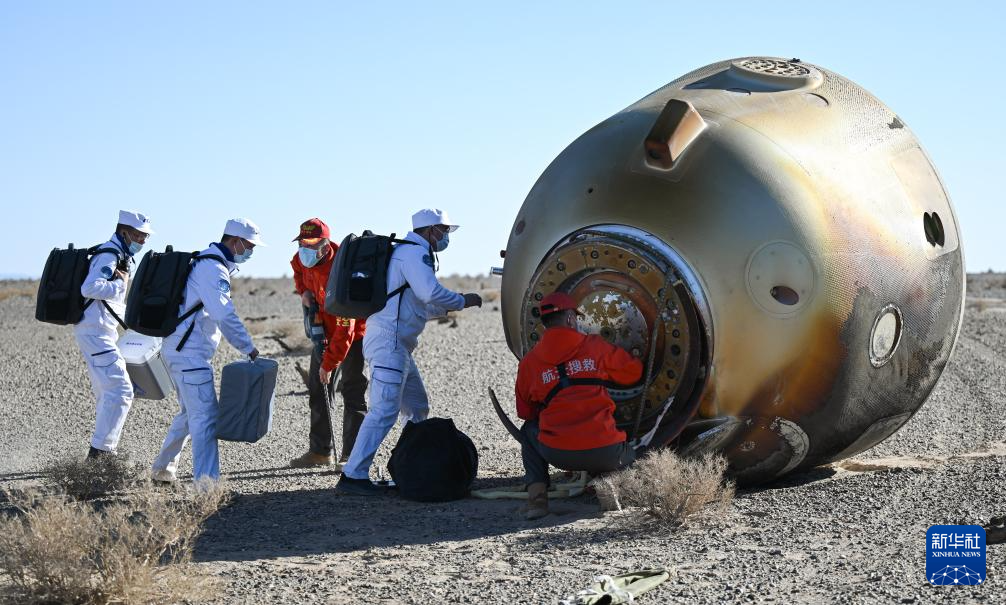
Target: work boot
[[311, 459], [537, 501], [358, 487], [96, 453]]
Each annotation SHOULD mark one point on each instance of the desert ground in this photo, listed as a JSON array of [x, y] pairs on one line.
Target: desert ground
[[853, 532]]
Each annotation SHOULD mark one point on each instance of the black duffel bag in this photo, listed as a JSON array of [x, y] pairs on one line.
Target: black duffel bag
[[433, 461]]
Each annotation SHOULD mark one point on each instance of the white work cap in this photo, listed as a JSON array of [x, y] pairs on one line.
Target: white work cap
[[137, 221], [432, 216], [245, 229]]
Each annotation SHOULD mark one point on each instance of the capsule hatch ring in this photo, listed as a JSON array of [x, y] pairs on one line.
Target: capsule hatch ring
[[625, 280]]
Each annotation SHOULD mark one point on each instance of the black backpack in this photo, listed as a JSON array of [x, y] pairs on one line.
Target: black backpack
[[59, 299], [433, 461], [358, 284], [158, 292]]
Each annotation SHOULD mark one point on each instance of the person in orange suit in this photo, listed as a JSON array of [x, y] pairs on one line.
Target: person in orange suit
[[561, 396], [341, 346]]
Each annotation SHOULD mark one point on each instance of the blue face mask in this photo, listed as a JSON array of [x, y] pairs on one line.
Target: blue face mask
[[133, 247], [309, 257], [244, 256], [441, 244]]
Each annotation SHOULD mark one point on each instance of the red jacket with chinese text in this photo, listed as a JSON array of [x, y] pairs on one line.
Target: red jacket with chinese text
[[579, 417], [341, 332]]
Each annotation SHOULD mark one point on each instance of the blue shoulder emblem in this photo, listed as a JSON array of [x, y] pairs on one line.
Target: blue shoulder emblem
[[428, 260], [224, 286], [107, 272]]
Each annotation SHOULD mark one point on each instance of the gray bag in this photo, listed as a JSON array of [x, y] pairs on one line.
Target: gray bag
[[246, 400]]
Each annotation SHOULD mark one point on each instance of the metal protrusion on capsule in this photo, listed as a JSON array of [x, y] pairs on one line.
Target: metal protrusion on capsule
[[496, 271], [677, 126]]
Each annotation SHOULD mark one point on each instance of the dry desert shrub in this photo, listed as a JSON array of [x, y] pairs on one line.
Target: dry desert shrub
[[135, 549], [13, 289], [490, 295], [287, 328], [93, 478], [667, 488], [979, 305], [288, 333], [260, 327]]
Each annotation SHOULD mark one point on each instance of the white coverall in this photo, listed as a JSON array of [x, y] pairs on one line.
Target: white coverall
[[396, 388], [191, 370], [96, 335]]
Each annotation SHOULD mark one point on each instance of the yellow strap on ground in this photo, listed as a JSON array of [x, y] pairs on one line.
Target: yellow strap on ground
[[517, 492]]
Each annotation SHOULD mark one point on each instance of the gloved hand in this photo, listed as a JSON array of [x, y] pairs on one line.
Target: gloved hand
[[253, 354], [307, 298], [472, 300]]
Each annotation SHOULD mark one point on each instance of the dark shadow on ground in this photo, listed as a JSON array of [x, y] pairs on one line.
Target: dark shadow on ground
[[280, 471], [319, 521], [24, 476]]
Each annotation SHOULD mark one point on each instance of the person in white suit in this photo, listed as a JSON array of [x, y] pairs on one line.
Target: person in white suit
[[96, 333], [189, 351], [396, 388]]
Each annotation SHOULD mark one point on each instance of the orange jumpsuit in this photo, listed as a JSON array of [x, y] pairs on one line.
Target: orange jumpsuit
[[579, 417]]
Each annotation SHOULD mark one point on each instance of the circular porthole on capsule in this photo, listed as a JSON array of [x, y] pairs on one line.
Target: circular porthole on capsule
[[885, 336]]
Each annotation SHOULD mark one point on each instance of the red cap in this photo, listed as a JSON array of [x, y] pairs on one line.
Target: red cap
[[314, 229], [557, 301]]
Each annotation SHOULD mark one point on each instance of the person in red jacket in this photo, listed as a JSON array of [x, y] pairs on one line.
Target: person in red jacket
[[341, 346], [561, 395]]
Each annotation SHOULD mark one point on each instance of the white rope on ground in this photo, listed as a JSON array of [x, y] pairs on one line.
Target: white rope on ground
[[623, 588], [608, 587]]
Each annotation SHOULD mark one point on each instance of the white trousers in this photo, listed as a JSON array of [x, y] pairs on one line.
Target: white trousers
[[396, 390], [197, 398], [111, 387]]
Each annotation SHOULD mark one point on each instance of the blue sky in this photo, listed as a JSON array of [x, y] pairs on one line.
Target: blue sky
[[360, 113]]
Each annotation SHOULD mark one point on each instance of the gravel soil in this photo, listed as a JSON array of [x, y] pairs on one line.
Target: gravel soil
[[851, 532]]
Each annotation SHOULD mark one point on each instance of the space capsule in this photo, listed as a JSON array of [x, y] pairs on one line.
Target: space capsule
[[774, 242]]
